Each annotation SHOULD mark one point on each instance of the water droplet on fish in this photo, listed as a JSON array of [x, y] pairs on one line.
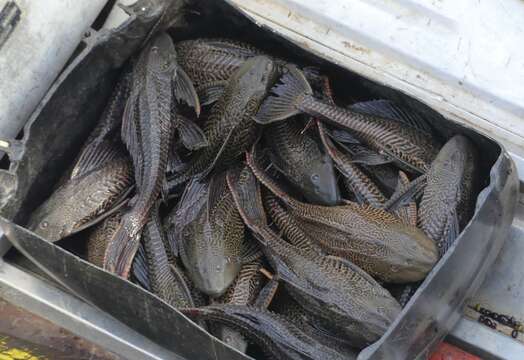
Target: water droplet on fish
[[218, 268], [394, 268], [228, 339], [44, 224]]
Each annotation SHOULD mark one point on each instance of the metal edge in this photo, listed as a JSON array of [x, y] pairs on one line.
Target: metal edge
[[44, 300]]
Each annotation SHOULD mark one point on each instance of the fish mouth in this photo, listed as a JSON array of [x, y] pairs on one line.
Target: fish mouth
[[214, 280], [331, 197]]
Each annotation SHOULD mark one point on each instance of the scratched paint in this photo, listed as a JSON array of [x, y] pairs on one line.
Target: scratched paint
[[8, 352]]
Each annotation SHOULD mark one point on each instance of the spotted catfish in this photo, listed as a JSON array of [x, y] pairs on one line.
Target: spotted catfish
[[447, 202], [210, 63], [372, 238], [147, 131], [273, 333], [300, 158], [411, 148], [102, 177], [329, 287], [243, 291], [209, 235], [230, 129]]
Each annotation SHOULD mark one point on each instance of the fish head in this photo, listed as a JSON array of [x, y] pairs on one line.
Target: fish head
[[210, 269], [50, 224], [411, 254], [257, 75], [320, 182], [213, 274], [162, 55], [232, 338]]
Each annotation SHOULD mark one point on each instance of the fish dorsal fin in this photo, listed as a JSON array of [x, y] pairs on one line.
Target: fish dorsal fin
[[218, 155], [191, 135], [175, 164], [140, 271], [247, 196], [363, 155], [211, 92], [451, 232], [181, 281], [342, 136], [254, 164], [337, 261], [389, 110], [93, 157], [183, 89], [217, 191], [172, 240], [119, 204], [130, 135], [266, 295], [237, 47], [407, 213], [192, 199], [250, 251], [407, 193]]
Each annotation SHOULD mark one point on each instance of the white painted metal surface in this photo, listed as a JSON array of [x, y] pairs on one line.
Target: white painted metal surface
[[118, 16], [462, 58], [35, 52]]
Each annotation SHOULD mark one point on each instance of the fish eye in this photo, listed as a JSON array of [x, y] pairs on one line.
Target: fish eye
[[315, 177], [44, 224], [154, 49]]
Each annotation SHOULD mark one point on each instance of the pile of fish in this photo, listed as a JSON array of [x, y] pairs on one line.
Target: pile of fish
[[231, 184]]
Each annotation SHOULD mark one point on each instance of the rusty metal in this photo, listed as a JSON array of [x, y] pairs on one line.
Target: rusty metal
[[24, 335]]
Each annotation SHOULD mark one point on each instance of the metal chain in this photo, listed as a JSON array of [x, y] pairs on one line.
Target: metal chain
[[487, 321], [487, 316]]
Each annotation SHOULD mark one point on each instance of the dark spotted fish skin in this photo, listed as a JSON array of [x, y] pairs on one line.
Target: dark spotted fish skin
[[449, 191], [245, 287], [273, 333], [210, 235], [285, 306], [210, 60], [329, 287], [82, 199], [302, 161], [413, 149], [288, 225], [109, 122], [230, 128], [385, 176], [243, 291], [148, 131], [164, 281], [99, 238], [357, 181], [375, 240]]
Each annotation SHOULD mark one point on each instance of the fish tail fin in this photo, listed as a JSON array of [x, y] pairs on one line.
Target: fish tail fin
[[122, 247], [286, 97]]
